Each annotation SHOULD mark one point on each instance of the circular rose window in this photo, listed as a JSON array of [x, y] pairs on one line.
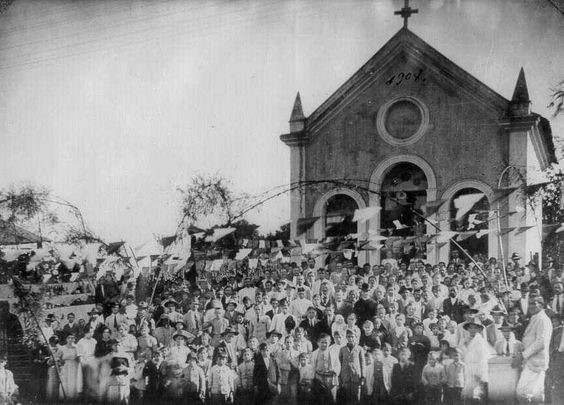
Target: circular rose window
[[402, 121]]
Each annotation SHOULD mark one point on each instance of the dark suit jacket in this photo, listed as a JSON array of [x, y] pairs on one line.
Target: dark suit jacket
[[454, 311], [404, 381], [263, 378], [312, 332]]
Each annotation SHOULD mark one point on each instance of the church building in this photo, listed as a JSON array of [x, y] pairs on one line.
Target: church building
[[409, 133]]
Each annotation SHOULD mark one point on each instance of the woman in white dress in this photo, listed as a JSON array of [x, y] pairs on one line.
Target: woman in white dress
[[71, 372], [476, 352]]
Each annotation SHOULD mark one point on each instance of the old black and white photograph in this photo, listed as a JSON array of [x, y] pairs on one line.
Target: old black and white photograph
[[271, 202]]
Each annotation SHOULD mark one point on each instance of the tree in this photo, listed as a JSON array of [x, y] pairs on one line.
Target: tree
[[281, 234], [209, 201], [557, 99]]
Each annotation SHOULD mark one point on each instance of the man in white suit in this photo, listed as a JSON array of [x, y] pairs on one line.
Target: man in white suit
[[535, 356]]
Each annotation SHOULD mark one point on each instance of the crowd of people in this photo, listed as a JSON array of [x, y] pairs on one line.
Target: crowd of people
[[393, 333]]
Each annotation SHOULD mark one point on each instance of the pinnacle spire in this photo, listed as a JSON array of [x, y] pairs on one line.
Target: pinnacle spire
[[297, 110], [521, 92], [520, 103], [297, 119]]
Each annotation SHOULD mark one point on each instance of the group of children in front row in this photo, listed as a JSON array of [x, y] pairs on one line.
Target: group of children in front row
[[278, 373]]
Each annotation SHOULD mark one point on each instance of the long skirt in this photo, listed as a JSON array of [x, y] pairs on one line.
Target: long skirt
[[71, 380], [52, 389], [104, 371], [118, 390], [90, 377]]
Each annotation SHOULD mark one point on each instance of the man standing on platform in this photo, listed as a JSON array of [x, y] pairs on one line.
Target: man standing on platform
[[535, 356]]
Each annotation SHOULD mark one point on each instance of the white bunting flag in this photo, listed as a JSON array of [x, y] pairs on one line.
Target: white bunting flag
[[464, 203], [399, 225], [482, 232], [242, 253], [364, 214]]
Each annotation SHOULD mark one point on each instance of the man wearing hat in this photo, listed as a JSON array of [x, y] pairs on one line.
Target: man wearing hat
[[194, 319], [365, 307], [227, 346], [115, 319], [163, 333], [230, 311], [218, 324], [493, 331], [143, 318], [557, 300], [47, 328], [507, 345], [281, 320], [173, 315]]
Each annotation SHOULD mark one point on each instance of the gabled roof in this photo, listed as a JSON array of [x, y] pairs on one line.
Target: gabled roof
[[414, 49]]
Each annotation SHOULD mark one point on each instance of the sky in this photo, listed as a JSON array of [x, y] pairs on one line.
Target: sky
[[114, 105]]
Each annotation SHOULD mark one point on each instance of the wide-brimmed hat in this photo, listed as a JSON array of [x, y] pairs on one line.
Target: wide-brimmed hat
[[515, 256], [231, 302], [467, 325], [273, 332], [143, 305], [184, 334], [171, 301]]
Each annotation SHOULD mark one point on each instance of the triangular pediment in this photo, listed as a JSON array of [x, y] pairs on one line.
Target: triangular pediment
[[407, 47]]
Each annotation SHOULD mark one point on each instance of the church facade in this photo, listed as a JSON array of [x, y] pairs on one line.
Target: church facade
[[410, 131]]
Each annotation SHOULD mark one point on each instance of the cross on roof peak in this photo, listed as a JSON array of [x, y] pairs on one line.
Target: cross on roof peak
[[406, 12]]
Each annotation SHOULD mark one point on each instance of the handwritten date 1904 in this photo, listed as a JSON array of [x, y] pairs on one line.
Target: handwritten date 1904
[[402, 77]]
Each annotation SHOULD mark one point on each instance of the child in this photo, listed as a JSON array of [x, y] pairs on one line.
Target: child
[[307, 373], [153, 373], [194, 380], [433, 378], [7, 385], [204, 360], [245, 373], [220, 383], [351, 358], [388, 362], [379, 392], [287, 362], [368, 387], [369, 339], [454, 378], [138, 384], [326, 368], [351, 325], [404, 383]]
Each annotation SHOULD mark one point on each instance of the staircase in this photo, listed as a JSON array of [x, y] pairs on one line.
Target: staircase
[[20, 364]]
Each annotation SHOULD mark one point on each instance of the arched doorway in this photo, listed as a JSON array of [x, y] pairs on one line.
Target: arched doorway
[[339, 212], [404, 190], [476, 219]]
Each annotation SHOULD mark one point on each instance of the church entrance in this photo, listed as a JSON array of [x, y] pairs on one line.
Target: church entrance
[[404, 189], [339, 212]]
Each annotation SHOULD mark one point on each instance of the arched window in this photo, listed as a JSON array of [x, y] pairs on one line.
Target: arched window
[[339, 212], [478, 218]]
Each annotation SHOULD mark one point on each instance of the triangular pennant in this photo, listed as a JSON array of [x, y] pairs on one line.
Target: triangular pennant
[[431, 207], [505, 231], [219, 233], [560, 229], [465, 235], [502, 192], [464, 203], [482, 232], [522, 229], [304, 224]]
